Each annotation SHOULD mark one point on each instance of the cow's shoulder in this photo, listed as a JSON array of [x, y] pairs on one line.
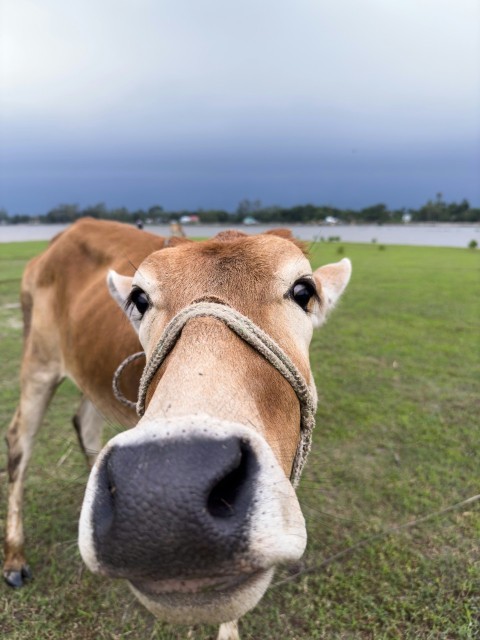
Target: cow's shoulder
[[90, 246]]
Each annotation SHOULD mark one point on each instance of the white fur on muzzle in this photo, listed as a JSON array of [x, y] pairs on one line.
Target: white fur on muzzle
[[276, 529]]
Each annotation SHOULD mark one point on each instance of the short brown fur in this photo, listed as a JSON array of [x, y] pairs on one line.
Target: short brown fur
[[74, 328]]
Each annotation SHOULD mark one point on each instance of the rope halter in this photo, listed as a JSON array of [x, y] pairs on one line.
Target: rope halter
[[252, 335]]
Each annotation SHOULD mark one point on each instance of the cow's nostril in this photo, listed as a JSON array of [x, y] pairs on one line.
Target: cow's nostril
[[173, 508], [225, 498], [105, 500]]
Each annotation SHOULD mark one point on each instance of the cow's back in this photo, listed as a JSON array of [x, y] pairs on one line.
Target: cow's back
[[67, 287]]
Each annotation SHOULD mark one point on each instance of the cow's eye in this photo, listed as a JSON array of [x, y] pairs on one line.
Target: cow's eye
[[139, 300], [302, 292]]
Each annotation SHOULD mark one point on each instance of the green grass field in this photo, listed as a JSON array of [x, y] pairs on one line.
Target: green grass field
[[398, 438]]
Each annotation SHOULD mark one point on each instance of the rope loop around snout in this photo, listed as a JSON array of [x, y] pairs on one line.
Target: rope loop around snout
[[116, 379], [252, 335]]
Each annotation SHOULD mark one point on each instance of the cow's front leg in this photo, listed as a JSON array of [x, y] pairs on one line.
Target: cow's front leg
[[88, 423], [228, 631], [36, 391]]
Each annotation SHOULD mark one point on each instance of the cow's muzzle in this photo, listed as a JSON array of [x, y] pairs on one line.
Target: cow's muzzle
[[173, 508], [191, 511]]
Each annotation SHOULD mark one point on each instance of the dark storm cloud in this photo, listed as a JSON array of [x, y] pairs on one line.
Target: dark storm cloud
[[202, 104]]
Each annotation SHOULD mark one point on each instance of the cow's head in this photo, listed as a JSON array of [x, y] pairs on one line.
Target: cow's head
[[194, 506]]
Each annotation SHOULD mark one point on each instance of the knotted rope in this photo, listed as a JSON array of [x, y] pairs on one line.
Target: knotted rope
[[252, 335]]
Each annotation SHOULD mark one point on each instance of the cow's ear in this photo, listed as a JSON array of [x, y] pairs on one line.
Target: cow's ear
[[331, 281], [287, 234], [174, 241], [119, 287]]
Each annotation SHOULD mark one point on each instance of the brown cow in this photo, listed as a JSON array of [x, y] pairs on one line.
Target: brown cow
[[195, 506]]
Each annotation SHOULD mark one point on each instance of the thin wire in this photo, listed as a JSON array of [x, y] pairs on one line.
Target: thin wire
[[361, 543]]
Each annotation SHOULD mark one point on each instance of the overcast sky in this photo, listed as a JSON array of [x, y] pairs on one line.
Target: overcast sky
[[200, 103]]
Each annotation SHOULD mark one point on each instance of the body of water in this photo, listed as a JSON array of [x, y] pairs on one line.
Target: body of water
[[433, 235]]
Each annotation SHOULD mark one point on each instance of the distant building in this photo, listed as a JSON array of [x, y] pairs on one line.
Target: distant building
[[191, 219], [331, 220]]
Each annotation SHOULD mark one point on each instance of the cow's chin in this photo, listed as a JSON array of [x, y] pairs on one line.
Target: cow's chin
[[209, 601]]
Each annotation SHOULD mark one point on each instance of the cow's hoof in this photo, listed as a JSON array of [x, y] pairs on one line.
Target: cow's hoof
[[17, 579]]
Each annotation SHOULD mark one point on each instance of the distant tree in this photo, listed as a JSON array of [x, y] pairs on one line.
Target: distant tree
[[397, 214], [19, 218], [439, 211], [122, 214], [349, 215], [213, 216], [95, 211], [271, 214], [3, 216], [458, 212], [472, 215], [378, 213], [432, 211], [248, 207], [156, 214], [63, 213], [302, 213]]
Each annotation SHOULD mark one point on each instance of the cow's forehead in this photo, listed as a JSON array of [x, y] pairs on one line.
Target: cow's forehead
[[247, 268]]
